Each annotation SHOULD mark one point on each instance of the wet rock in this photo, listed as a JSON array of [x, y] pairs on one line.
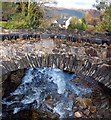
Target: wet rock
[[78, 114], [50, 103], [11, 81], [23, 115], [84, 102], [92, 109], [75, 80], [35, 115], [71, 96], [53, 116], [87, 112], [16, 76], [48, 97], [4, 77]]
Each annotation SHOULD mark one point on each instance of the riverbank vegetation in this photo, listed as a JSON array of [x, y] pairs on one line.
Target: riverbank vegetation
[[24, 14], [98, 21], [19, 15]]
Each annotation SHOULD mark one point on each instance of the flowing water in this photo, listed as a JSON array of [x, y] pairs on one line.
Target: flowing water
[[42, 84]]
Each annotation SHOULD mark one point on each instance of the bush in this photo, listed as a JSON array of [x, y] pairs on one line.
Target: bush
[[79, 26], [19, 20], [26, 15], [90, 28], [3, 24]]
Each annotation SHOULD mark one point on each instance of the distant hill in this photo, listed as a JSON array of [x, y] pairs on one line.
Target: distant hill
[[66, 12]]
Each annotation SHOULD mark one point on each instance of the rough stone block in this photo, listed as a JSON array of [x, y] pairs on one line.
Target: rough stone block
[[3, 70], [32, 60], [54, 60], [14, 64], [5, 64], [39, 61], [50, 60], [24, 62], [20, 64], [43, 62]]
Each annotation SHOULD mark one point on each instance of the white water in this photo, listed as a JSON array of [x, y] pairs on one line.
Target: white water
[[40, 82]]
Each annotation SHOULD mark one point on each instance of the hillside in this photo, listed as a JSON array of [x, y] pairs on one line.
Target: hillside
[[65, 12]]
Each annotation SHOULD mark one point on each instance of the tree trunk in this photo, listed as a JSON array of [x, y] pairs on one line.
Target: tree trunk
[[29, 7]]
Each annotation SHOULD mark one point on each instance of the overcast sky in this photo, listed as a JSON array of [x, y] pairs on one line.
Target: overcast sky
[[75, 3]]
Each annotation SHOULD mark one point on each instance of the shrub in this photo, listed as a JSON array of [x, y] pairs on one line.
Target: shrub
[[78, 25]]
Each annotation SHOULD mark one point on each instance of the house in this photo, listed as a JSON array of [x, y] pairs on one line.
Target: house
[[62, 23]]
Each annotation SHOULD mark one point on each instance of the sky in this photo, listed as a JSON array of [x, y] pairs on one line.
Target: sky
[[84, 4]]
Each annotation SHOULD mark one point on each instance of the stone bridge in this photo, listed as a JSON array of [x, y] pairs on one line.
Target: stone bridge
[[83, 58]]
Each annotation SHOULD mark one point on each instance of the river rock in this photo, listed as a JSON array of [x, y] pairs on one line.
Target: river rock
[[84, 102], [87, 112], [75, 80], [78, 114], [92, 109]]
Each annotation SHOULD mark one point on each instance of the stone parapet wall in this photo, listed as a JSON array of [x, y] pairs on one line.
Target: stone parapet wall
[[85, 59]]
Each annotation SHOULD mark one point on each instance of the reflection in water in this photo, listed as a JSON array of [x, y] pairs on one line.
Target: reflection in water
[[40, 84]]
